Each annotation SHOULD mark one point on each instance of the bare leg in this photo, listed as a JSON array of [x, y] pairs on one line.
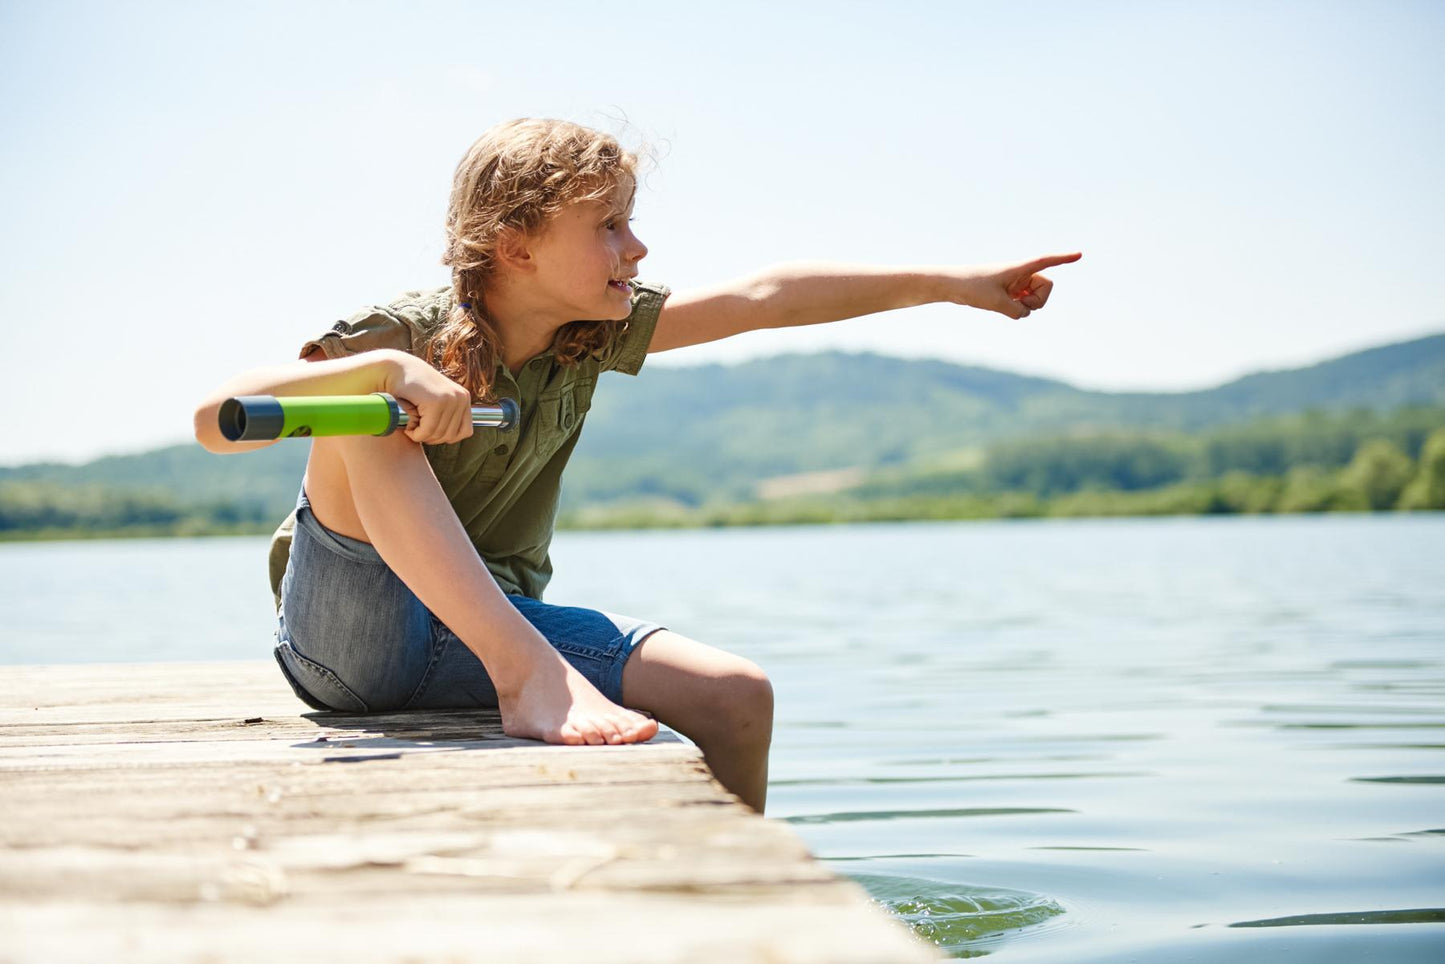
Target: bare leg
[[382, 491], [721, 702]]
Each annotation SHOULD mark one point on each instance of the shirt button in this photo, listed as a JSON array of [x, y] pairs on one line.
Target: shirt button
[[567, 420], [500, 450], [535, 363]]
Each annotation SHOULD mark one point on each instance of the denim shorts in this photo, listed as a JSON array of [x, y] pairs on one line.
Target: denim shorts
[[352, 637]]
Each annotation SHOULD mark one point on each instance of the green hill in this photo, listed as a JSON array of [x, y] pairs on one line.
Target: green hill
[[693, 433], [261, 481]]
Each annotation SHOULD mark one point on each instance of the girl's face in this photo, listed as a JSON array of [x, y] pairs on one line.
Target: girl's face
[[586, 256]]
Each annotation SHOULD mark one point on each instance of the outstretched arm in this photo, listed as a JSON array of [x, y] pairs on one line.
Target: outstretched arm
[[809, 294]]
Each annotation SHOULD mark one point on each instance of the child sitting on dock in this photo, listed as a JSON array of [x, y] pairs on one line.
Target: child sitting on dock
[[411, 574]]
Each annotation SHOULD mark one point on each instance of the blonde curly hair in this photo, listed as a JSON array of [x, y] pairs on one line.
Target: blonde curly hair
[[517, 175]]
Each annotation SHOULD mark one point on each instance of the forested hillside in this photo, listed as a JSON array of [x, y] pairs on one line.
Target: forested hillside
[[716, 431]]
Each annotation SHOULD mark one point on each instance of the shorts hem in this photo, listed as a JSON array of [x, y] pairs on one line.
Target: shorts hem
[[627, 642]]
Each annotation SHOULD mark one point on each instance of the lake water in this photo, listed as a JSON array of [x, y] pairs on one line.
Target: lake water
[[1153, 740]]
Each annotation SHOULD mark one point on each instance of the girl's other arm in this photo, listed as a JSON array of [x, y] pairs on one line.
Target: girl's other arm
[[441, 406], [809, 294]]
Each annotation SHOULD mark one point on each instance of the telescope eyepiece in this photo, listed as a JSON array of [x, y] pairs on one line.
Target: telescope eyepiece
[[251, 418]]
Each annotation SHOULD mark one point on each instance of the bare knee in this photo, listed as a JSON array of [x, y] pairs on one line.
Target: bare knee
[[353, 451], [715, 698], [742, 704], [340, 465]]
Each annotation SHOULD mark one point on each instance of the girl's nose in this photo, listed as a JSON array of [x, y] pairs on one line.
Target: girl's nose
[[636, 250]]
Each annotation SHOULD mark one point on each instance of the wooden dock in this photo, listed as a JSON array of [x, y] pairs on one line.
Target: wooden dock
[[200, 812]]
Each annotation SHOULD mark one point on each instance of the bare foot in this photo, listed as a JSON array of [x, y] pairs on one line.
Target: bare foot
[[557, 704]]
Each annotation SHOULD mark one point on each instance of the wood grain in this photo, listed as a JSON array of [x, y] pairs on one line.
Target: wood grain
[[200, 812]]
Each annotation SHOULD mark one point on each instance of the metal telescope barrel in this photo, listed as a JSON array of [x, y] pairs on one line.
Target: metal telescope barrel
[[258, 418]]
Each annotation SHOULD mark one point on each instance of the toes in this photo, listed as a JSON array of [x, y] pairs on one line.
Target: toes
[[641, 728], [622, 728]]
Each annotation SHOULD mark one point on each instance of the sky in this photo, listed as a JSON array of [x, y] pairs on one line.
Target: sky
[[193, 189]]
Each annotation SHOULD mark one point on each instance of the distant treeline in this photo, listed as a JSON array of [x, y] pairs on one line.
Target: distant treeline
[[41, 510], [1357, 462], [1130, 461]]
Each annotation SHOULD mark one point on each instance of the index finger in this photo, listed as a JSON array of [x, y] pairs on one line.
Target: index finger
[[1051, 260]]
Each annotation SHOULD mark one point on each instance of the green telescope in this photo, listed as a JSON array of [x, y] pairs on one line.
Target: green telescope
[[260, 418]]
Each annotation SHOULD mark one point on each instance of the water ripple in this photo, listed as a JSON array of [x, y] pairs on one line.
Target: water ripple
[[852, 815], [1412, 780], [869, 781], [1422, 915], [961, 920]]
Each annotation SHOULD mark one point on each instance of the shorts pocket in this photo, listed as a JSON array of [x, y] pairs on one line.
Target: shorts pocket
[[310, 678]]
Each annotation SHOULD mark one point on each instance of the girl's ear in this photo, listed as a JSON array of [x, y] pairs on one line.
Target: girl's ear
[[513, 249]]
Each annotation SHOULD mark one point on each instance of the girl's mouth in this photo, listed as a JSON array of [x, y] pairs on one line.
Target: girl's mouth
[[620, 286]]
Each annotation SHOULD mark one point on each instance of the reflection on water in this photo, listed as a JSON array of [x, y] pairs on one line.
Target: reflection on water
[[1191, 739]]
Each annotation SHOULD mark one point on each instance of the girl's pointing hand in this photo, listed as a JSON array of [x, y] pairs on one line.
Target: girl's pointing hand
[[1010, 289]]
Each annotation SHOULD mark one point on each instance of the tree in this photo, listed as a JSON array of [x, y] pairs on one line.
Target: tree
[[1427, 489], [1309, 488], [1378, 472]]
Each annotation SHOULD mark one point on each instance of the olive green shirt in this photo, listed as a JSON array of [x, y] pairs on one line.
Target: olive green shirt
[[504, 486]]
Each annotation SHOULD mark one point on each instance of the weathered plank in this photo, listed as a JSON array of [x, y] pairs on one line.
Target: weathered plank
[[201, 812]]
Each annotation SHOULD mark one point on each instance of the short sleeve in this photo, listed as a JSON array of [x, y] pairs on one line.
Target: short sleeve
[[630, 349], [367, 330]]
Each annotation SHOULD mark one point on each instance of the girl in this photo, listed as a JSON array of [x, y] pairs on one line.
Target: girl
[[411, 574]]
